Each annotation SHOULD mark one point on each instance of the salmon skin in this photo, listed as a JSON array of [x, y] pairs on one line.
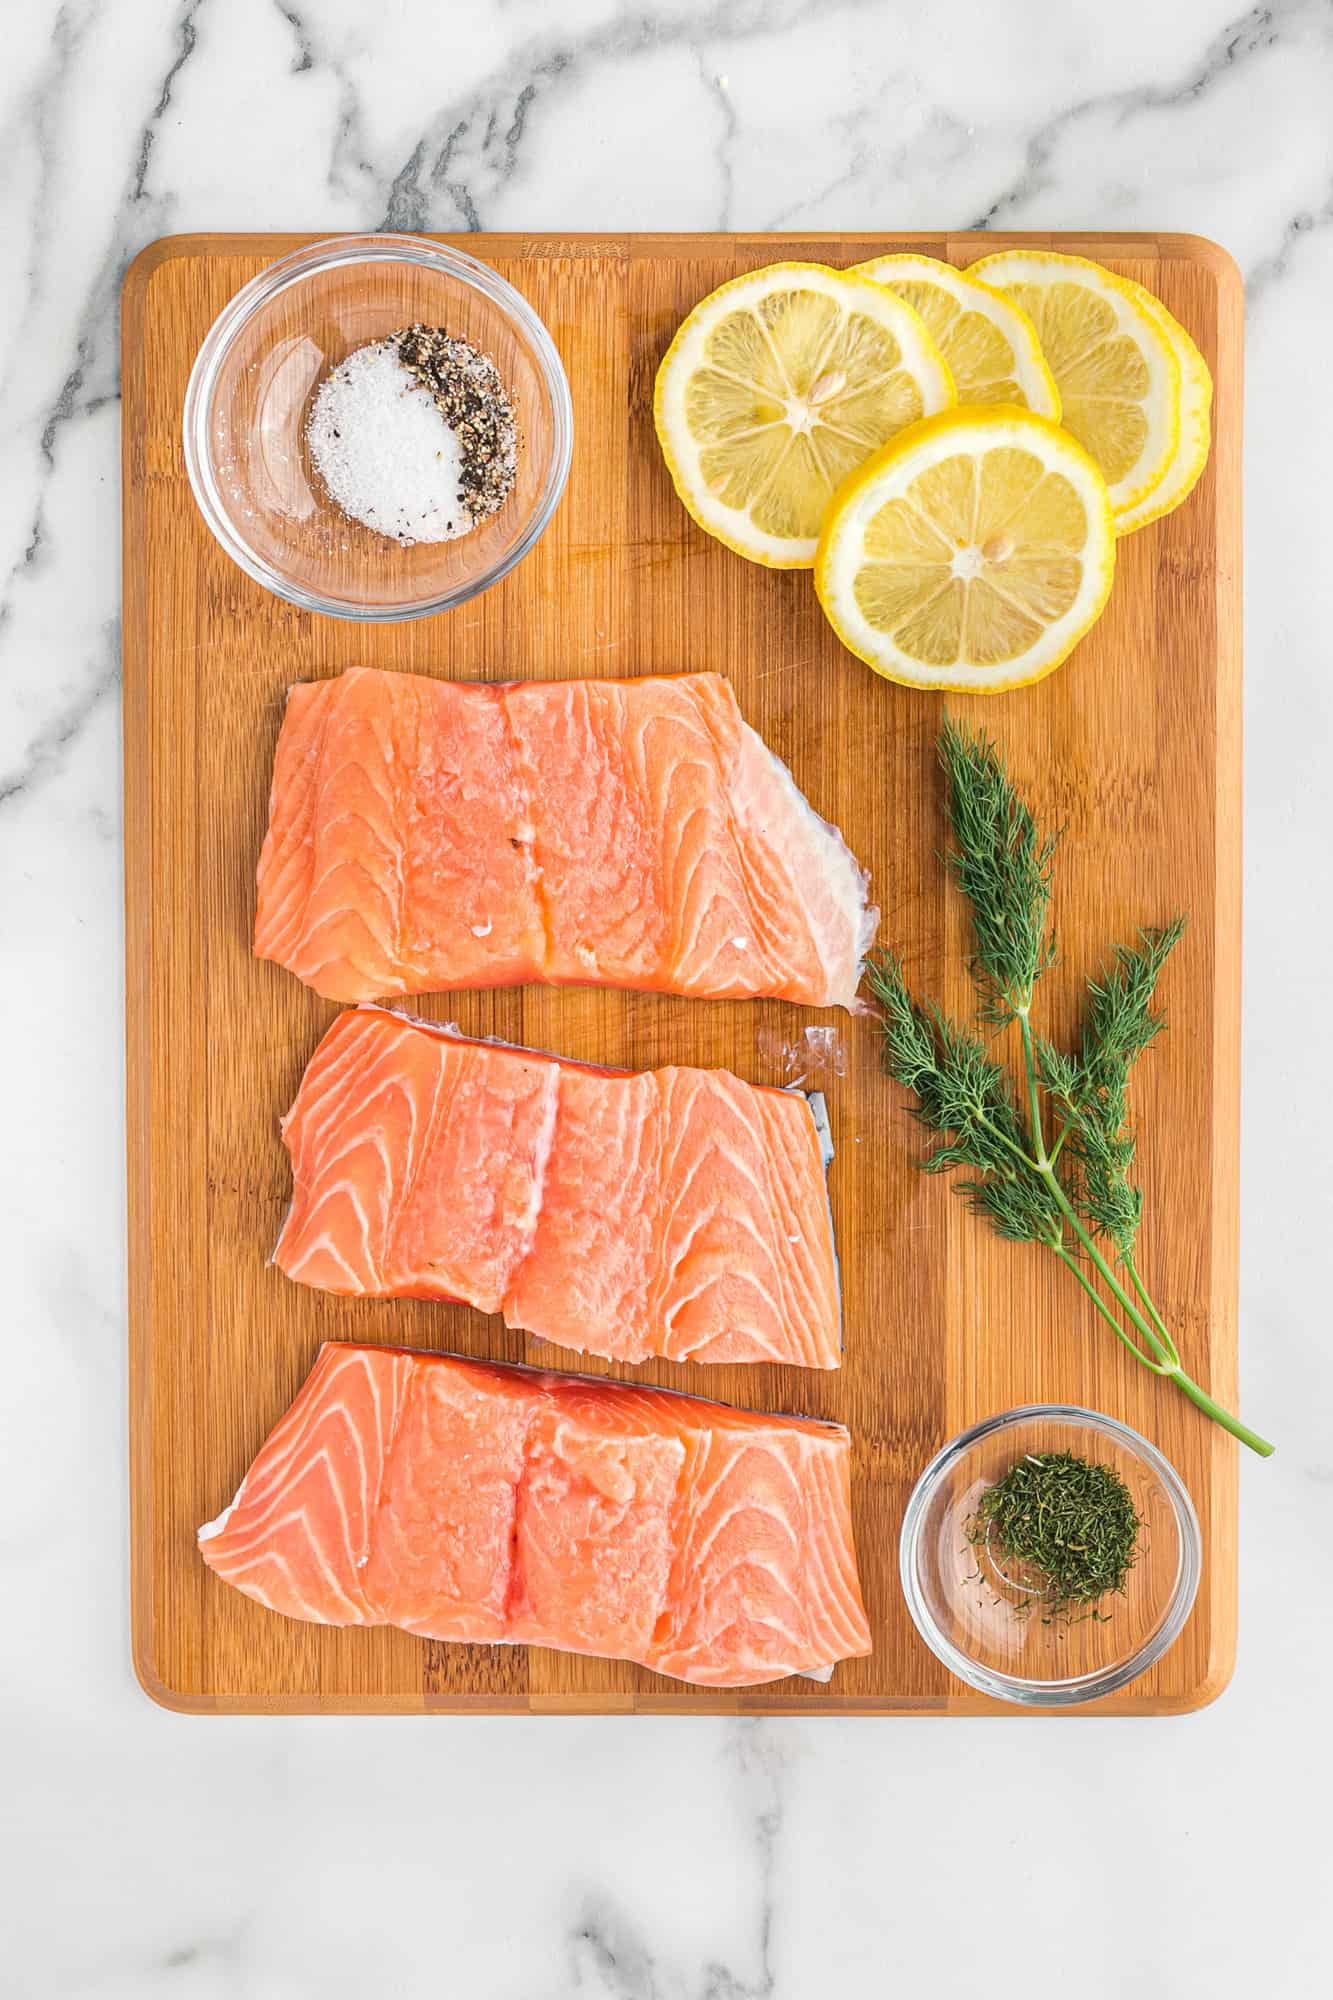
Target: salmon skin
[[672, 1212], [471, 1501], [429, 835]]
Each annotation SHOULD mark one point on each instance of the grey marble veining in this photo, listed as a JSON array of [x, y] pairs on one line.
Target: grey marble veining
[[147, 1854]]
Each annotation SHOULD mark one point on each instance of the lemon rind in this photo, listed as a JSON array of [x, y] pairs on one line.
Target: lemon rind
[[1033, 370], [920, 354], [1196, 401], [916, 442]]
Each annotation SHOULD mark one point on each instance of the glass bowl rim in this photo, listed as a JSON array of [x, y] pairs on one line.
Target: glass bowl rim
[[328, 253], [1077, 1688]]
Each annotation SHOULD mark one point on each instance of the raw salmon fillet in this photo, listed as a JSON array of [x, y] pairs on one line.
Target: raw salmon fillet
[[675, 1212], [426, 835], [467, 1500]]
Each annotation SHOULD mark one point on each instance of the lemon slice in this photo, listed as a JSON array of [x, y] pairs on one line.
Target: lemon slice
[[777, 386], [988, 342], [1196, 401], [972, 553], [1115, 368]]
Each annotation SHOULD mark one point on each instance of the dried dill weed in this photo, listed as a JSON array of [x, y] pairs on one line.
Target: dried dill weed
[[415, 436], [1060, 1529]]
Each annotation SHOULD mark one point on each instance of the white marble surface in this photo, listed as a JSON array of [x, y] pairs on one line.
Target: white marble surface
[[145, 1854]]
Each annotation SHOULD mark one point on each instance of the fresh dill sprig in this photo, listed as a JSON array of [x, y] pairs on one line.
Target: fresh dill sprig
[[1057, 1173], [1091, 1090], [960, 1091], [1002, 862], [966, 1096]]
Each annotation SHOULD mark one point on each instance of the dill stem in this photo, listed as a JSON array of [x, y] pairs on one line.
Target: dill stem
[[1191, 1388], [1045, 1165], [1127, 1259], [1061, 1136], [1073, 1264], [1166, 1360], [1169, 1365], [1164, 1346], [1004, 1139], [1030, 1064], [1219, 1415]]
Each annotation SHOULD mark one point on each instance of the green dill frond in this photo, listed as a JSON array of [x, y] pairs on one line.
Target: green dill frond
[[1002, 862], [960, 1091], [908, 1035], [1120, 1020], [1094, 1089], [971, 1090], [1097, 1164], [1018, 1206], [1057, 1073]]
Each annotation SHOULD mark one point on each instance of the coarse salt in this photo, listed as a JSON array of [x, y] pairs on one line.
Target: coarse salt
[[385, 452]]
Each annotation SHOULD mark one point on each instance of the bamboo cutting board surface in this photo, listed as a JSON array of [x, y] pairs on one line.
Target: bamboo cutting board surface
[[1134, 744]]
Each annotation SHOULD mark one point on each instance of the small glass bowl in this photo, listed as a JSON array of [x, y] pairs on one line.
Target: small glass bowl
[[248, 403], [969, 1611]]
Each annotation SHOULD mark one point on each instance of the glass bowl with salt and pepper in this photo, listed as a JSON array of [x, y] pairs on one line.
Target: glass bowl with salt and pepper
[[378, 427], [1049, 1556]]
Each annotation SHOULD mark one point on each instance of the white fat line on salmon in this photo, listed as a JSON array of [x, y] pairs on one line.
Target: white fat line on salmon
[[272, 1258], [211, 1528], [541, 1160]]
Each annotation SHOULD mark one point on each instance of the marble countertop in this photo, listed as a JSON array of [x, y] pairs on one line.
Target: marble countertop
[[145, 1853]]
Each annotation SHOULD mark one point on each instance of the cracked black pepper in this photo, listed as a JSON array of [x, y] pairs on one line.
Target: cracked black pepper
[[474, 402]]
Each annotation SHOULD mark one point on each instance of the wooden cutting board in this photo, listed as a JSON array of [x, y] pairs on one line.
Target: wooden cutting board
[[1134, 745]]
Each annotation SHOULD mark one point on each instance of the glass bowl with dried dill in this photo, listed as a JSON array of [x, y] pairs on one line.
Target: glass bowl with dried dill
[[378, 427], [1049, 1555]]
